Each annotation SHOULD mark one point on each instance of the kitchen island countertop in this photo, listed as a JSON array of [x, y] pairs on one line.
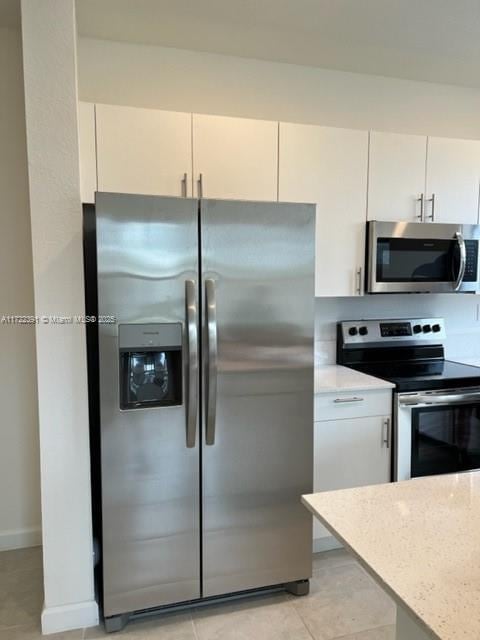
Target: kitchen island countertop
[[420, 539]]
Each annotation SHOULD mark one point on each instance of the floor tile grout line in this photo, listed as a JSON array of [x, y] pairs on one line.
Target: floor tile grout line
[[297, 613], [195, 634]]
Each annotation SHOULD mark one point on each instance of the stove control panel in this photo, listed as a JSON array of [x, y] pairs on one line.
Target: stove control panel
[[407, 330]]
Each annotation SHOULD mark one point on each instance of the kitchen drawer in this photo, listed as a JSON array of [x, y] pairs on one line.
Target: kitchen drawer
[[352, 404]]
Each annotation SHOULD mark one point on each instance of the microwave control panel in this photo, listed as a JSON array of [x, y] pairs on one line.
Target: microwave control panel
[[471, 265]]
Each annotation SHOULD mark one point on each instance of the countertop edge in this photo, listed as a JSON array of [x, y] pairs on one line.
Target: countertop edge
[[365, 382]]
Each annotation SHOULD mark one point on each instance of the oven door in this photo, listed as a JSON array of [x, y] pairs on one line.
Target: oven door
[[415, 257], [437, 432]]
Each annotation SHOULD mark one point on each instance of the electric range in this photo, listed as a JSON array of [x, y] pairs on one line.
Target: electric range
[[436, 402]]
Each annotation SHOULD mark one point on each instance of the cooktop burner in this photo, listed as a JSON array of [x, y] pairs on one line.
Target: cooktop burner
[[419, 376], [407, 352]]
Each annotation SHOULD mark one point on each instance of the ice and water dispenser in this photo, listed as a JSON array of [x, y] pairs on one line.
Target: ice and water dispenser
[[150, 365]]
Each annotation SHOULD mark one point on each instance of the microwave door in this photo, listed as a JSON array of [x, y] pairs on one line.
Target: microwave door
[[415, 257]]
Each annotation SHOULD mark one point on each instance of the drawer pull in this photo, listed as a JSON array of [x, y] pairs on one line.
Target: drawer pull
[[353, 399]]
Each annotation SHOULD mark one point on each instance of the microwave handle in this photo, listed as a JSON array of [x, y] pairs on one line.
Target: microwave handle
[[463, 260]]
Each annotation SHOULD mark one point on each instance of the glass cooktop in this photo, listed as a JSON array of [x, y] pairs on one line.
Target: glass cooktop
[[423, 375]]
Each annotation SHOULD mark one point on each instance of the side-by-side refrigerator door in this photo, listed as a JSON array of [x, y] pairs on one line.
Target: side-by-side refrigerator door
[[147, 251], [258, 288]]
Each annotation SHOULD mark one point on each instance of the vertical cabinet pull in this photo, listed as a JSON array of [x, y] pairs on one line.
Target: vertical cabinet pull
[[386, 432], [200, 185], [212, 354], [432, 210], [421, 199], [192, 362], [358, 276], [184, 186]]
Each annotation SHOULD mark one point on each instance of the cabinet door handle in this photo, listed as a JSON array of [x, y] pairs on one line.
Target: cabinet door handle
[[200, 185], [432, 213], [184, 186], [345, 400], [386, 432], [421, 199], [359, 281]]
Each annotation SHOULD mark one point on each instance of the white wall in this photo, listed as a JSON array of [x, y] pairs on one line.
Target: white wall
[[49, 61], [150, 76], [19, 454]]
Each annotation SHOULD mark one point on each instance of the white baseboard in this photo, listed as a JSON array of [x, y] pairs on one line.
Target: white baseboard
[[20, 538], [69, 616], [327, 543]]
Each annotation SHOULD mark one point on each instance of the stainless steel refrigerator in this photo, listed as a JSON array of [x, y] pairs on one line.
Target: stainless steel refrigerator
[[205, 367]]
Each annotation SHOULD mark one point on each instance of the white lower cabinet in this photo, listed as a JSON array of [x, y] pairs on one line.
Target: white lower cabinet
[[351, 451]]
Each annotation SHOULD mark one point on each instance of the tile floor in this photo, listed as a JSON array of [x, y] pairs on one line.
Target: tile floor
[[344, 604]]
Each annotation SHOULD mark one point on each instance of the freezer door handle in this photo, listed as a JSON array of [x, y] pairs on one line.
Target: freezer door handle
[[192, 366], [211, 372]]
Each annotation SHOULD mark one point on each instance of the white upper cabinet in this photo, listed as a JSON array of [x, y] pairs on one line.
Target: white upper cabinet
[[235, 158], [144, 151], [86, 142], [328, 166], [453, 180], [396, 176]]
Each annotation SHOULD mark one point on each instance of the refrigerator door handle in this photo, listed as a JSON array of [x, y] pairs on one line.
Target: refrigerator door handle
[[192, 370], [211, 373]]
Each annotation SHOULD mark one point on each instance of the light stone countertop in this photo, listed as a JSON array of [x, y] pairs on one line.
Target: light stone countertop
[[420, 539], [334, 378]]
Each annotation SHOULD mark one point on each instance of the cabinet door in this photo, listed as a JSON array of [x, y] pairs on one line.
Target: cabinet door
[[396, 176], [453, 176], [86, 144], [328, 166], [235, 157], [350, 453], [144, 151]]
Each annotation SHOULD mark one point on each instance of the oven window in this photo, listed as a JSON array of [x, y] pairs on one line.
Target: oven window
[[445, 439], [415, 260]]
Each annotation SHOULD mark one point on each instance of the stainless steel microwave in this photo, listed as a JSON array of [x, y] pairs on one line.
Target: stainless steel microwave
[[416, 257]]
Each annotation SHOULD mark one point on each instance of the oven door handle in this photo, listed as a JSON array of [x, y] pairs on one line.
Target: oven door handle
[[463, 260], [428, 401]]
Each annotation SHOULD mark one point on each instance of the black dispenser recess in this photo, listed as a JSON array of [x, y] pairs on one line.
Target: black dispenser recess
[[150, 365]]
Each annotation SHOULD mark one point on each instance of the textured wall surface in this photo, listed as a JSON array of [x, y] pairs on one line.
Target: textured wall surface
[[51, 116], [19, 455]]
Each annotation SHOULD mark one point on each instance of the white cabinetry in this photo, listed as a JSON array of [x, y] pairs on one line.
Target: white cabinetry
[[453, 180], [352, 445], [87, 151], [144, 151], [396, 176], [420, 179], [235, 158], [328, 166]]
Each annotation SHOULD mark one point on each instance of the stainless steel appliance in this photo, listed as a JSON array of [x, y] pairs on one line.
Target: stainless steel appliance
[[416, 257], [436, 404], [205, 342]]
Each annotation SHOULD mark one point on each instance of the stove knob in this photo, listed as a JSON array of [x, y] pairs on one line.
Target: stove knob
[[417, 328], [363, 331], [436, 328], [352, 331], [427, 328]]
